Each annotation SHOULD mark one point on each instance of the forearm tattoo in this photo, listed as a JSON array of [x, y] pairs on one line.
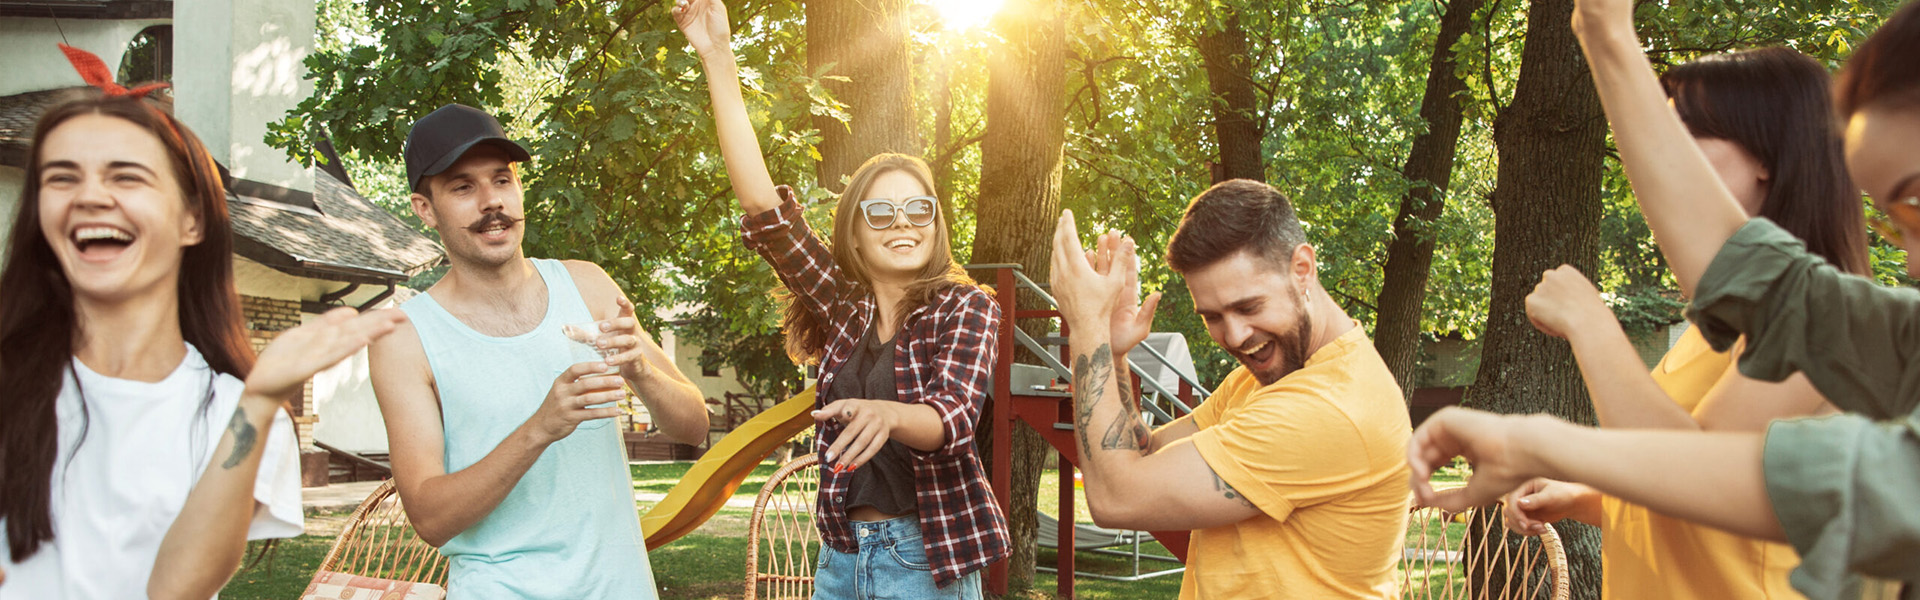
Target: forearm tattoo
[[1091, 372], [1221, 485], [244, 435], [1127, 432]]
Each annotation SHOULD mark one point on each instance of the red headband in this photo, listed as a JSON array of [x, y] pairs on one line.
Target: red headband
[[97, 75]]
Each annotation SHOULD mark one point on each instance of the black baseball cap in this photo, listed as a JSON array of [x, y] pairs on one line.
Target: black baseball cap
[[439, 139]]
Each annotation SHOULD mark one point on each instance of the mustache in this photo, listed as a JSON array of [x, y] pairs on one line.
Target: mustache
[[491, 219]]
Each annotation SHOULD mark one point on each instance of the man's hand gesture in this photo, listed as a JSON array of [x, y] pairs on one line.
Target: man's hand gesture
[[1085, 285], [1132, 317]]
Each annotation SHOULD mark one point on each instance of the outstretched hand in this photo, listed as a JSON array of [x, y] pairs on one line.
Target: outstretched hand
[[1085, 285], [297, 354], [1565, 300], [1541, 502], [705, 24], [1486, 440], [868, 425]]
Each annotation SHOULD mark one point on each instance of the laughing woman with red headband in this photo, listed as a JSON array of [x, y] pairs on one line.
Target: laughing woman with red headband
[[905, 343], [142, 442]]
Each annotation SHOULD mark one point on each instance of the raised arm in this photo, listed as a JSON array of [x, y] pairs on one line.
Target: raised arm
[[1690, 211], [442, 504], [203, 546], [1566, 305], [705, 24], [1128, 484], [1719, 483]]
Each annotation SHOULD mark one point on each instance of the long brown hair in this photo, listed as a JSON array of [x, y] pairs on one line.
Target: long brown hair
[[37, 320], [806, 339], [1774, 103]]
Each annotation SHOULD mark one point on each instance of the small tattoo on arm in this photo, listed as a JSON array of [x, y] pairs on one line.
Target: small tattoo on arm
[[243, 438], [1127, 425], [1090, 376], [1221, 485]]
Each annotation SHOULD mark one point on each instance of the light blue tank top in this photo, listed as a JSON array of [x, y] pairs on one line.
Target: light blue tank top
[[569, 529]]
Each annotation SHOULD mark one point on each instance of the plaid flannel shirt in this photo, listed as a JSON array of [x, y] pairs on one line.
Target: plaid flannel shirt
[[946, 362]]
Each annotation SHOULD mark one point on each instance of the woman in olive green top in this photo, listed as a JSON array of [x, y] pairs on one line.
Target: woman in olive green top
[[1844, 490]]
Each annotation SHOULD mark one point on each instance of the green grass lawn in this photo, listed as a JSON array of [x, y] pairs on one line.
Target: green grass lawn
[[658, 478], [710, 563]]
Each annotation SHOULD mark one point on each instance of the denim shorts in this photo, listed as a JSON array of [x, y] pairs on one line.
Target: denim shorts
[[890, 565]]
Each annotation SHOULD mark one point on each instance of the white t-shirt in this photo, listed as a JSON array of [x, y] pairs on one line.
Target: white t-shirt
[[114, 498]]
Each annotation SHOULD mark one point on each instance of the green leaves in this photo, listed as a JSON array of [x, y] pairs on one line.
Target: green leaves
[[626, 173]]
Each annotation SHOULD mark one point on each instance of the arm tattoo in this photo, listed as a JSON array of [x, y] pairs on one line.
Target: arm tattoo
[[1221, 485], [1090, 376], [1126, 432], [243, 437]]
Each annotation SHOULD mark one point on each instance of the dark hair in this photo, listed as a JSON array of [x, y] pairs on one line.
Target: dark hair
[[38, 325], [806, 339], [1884, 70], [1774, 104], [1231, 216]]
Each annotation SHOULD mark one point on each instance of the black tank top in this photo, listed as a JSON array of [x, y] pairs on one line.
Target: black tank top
[[885, 483]]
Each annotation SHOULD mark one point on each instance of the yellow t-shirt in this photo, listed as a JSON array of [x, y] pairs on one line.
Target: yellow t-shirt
[[1322, 452], [1647, 555]]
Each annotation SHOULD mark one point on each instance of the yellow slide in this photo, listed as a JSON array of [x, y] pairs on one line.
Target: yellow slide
[[706, 487]]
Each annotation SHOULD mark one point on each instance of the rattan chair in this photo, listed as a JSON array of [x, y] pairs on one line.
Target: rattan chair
[[1443, 561], [380, 542], [782, 542]]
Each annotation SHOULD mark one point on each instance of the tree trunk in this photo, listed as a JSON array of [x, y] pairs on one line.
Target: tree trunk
[[1019, 201], [1237, 122], [866, 42], [1547, 212], [1429, 171], [940, 156]]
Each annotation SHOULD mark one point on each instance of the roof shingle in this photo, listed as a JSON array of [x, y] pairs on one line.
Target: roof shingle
[[347, 239]]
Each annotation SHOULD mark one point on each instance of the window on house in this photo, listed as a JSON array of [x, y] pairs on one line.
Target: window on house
[[709, 364], [149, 56]]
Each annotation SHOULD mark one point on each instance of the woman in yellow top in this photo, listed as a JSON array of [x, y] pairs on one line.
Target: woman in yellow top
[[1763, 118]]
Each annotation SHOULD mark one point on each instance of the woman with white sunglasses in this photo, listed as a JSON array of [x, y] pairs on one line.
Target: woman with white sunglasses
[[905, 342]]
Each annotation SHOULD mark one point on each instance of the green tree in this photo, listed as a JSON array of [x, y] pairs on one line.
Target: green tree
[[1429, 173], [1020, 165]]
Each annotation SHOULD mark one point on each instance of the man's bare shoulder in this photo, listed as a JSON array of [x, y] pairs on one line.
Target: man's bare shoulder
[[584, 272], [398, 353], [597, 288]]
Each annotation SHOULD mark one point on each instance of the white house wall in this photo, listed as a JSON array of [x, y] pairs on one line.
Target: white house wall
[[239, 65], [349, 412], [33, 61], [12, 182], [687, 357]]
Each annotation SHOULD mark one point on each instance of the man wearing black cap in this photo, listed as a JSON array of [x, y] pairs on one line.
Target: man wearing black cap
[[500, 426]]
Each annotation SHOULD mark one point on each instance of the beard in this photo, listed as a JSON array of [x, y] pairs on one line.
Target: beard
[[1292, 346]]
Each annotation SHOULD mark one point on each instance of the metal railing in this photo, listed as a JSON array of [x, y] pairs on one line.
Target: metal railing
[[1154, 393]]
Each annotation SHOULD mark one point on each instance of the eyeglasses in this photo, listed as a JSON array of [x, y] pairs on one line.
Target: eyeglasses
[[1905, 211], [881, 212]]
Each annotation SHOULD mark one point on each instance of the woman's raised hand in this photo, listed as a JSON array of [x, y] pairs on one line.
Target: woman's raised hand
[[297, 354], [1564, 301], [705, 24], [1592, 16]]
